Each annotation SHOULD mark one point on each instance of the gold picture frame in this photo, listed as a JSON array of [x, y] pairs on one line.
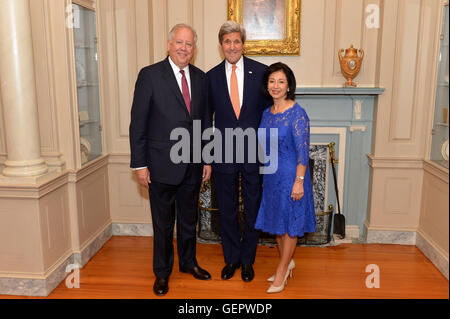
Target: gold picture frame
[[272, 26]]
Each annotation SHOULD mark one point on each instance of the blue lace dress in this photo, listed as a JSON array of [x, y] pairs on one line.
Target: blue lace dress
[[279, 213]]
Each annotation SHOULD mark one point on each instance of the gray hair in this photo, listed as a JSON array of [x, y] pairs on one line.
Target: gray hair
[[179, 26], [230, 27]]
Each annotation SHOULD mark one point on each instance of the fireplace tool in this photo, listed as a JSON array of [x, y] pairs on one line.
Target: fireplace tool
[[338, 219]]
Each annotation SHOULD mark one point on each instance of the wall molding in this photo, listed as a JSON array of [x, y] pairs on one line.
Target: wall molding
[[436, 170], [29, 191], [52, 181], [395, 162], [88, 169]]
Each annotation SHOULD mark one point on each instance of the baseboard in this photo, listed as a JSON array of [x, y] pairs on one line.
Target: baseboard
[[128, 229], [433, 253], [94, 245], [378, 235], [35, 287]]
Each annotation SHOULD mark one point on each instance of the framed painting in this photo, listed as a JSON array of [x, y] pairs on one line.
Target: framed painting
[[272, 26]]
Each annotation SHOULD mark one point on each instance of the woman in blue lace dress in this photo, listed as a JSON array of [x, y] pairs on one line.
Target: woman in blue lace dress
[[287, 204]]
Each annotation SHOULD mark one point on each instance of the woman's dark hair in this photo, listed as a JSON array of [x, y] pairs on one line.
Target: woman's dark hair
[[289, 75]]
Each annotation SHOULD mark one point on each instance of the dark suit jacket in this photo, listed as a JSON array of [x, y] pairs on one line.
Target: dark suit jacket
[[253, 104], [158, 108]]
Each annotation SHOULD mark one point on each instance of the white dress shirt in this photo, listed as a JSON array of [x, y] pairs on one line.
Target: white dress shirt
[[179, 76], [240, 77]]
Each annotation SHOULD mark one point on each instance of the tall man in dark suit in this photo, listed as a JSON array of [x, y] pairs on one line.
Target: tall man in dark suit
[[168, 95], [236, 97]]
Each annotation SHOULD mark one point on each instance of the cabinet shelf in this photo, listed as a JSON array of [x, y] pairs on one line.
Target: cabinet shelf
[[83, 123], [84, 47], [83, 85]]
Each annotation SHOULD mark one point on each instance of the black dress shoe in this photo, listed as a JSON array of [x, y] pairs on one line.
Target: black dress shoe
[[197, 272], [228, 270], [247, 273], [161, 286]]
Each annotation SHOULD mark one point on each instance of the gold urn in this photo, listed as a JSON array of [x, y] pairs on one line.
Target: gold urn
[[350, 63]]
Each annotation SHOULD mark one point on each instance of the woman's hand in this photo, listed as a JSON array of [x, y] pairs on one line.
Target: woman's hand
[[297, 191]]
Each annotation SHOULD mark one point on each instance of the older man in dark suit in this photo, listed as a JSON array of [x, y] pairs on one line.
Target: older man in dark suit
[[236, 97], [170, 95]]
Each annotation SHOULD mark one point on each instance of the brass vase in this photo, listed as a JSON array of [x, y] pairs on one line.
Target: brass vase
[[350, 64]]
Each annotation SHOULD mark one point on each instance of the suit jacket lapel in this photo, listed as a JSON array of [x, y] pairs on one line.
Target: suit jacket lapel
[[195, 90], [173, 85], [248, 82]]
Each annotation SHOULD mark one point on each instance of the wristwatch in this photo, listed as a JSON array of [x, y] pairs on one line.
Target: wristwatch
[[301, 178]]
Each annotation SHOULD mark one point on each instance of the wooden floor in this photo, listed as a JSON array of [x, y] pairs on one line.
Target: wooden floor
[[123, 269]]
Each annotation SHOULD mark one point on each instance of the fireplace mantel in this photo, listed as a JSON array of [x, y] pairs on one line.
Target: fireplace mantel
[[339, 91]]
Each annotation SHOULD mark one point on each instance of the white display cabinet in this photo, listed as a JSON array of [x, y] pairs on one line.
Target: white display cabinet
[[439, 143], [87, 77]]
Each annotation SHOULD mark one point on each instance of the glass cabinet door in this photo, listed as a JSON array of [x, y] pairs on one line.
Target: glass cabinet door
[[439, 141], [88, 94]]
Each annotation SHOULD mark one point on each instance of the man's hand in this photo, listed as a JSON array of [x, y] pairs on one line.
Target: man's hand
[[143, 177], [206, 173]]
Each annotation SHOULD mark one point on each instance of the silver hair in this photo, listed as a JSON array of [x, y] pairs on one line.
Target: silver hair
[[179, 26], [230, 27]]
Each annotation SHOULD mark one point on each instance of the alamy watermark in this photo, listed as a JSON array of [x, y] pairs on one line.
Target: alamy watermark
[[237, 142], [73, 279], [373, 280], [373, 18]]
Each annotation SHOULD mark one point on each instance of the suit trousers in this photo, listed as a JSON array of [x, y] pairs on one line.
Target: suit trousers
[[166, 202], [235, 249]]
